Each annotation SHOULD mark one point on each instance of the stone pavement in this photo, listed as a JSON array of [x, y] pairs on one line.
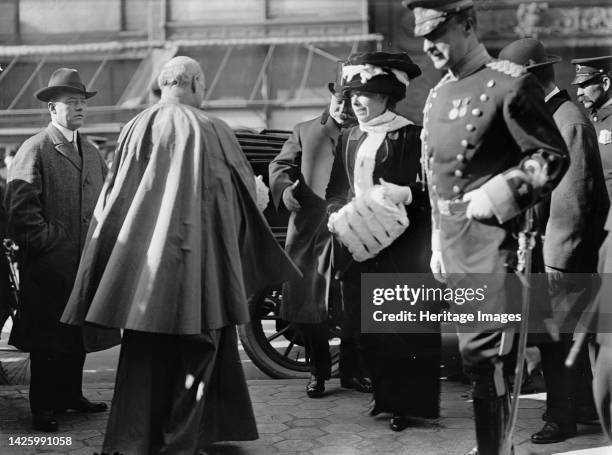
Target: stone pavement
[[291, 423]]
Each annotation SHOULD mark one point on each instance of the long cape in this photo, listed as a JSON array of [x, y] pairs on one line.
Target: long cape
[[176, 244]]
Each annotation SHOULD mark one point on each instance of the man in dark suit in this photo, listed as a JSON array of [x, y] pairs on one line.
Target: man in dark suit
[[573, 218], [500, 153], [53, 185], [594, 89], [299, 176]]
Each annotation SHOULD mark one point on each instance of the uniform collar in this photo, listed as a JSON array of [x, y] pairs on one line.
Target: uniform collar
[[471, 62], [603, 112]]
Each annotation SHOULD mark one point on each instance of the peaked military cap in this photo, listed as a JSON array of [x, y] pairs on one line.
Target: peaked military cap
[[387, 73], [430, 14], [528, 52], [589, 68]]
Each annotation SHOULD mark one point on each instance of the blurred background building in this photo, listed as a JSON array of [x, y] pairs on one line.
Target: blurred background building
[[267, 62]]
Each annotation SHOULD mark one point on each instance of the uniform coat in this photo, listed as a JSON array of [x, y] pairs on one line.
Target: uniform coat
[[495, 123], [307, 156], [602, 120], [51, 194]]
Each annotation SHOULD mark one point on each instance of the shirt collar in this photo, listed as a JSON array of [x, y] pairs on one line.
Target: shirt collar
[[68, 134], [551, 94], [471, 62]]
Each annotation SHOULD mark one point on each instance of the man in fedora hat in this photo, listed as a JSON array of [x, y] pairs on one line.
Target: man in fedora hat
[[299, 176], [483, 173], [53, 185], [572, 223], [593, 83]]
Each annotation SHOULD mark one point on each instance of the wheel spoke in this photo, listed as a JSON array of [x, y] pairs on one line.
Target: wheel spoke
[[289, 348], [277, 334]]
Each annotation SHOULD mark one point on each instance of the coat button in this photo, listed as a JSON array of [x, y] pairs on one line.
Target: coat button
[[434, 95], [476, 112], [491, 83], [431, 160], [456, 189], [460, 157], [458, 173], [464, 143], [470, 127], [484, 97]]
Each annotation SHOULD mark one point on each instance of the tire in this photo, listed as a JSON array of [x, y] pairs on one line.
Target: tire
[[274, 345]]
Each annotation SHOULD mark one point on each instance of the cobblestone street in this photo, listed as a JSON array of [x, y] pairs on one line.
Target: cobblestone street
[[291, 423]]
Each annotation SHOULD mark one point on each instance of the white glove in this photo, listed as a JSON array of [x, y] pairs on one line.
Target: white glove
[[480, 205], [436, 264], [263, 197]]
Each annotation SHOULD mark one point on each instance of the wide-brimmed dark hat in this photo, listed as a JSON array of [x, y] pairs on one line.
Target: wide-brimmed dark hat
[[63, 80], [528, 52], [431, 14], [589, 68], [387, 73]]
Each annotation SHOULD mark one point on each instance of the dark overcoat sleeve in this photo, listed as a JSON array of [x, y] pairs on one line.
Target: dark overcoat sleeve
[[571, 201], [544, 156], [284, 170], [27, 224]]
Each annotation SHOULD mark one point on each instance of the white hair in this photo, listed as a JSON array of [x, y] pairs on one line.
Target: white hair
[[179, 72]]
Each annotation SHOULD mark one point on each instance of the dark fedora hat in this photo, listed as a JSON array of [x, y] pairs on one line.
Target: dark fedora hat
[[63, 80], [528, 52]]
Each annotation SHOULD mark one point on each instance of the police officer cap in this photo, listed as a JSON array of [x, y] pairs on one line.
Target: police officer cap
[[430, 14], [589, 68], [528, 52], [387, 73]]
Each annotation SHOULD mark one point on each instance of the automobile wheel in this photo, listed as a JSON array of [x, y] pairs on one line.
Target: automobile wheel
[[274, 345]]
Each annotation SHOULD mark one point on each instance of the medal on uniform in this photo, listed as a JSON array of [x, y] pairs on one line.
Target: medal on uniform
[[454, 112], [464, 107]]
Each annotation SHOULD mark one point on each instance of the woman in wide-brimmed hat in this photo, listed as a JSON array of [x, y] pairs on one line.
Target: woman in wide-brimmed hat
[[385, 228]]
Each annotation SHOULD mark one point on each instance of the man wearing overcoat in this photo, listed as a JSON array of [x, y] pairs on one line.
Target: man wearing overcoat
[[500, 153], [299, 177], [53, 185]]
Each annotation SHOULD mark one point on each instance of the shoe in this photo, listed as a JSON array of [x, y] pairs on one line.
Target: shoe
[[44, 421], [553, 432], [315, 387], [83, 405], [398, 422], [360, 384]]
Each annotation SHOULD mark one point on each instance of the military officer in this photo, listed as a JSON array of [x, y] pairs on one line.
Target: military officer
[[500, 154], [594, 89]]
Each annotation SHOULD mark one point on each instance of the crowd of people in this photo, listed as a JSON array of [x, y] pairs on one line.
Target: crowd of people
[[168, 245]]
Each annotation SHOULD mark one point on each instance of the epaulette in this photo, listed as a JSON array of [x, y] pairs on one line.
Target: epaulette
[[507, 67]]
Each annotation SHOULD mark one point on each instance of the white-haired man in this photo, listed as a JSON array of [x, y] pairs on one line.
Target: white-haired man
[[176, 247]]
